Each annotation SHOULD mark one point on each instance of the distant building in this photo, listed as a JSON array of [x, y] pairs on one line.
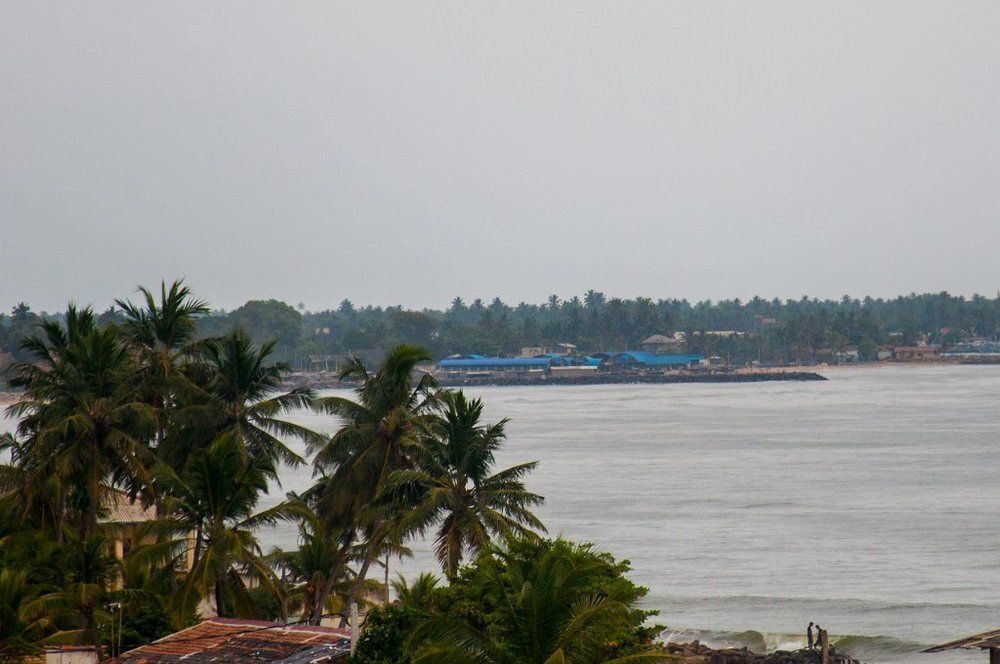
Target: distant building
[[240, 640], [467, 364], [659, 344], [849, 356], [725, 333], [554, 349], [915, 353], [643, 360]]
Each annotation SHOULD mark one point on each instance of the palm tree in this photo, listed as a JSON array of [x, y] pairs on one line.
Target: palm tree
[[25, 624], [308, 567], [215, 497], [384, 430], [237, 394], [80, 420], [419, 594], [90, 572], [546, 602], [454, 486], [163, 333]]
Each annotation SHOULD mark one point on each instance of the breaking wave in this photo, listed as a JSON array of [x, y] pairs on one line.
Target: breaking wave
[[856, 645]]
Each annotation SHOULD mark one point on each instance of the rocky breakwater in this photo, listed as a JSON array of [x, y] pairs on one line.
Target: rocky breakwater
[[696, 653]]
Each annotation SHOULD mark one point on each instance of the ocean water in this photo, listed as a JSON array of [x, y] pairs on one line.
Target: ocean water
[[869, 503]]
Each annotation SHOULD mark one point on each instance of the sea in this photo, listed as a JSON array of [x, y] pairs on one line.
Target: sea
[[868, 503]]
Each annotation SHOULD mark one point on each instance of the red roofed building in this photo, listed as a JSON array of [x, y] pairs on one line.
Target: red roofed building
[[231, 640]]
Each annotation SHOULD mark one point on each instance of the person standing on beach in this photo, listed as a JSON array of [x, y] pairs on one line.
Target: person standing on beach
[[809, 635]]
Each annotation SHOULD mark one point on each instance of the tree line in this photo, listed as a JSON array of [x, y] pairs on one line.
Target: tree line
[[776, 331], [143, 407]]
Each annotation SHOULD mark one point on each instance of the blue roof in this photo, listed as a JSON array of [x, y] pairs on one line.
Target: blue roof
[[652, 360]]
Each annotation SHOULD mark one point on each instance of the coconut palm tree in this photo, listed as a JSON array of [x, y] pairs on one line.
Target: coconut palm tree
[[25, 624], [80, 421], [545, 603], [455, 487], [90, 573], [215, 496], [417, 595], [307, 568], [385, 430], [163, 333], [237, 394]]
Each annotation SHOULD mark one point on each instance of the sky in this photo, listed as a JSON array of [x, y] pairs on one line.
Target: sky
[[406, 153]]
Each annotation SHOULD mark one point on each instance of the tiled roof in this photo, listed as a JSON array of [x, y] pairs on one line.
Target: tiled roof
[[231, 640], [118, 508]]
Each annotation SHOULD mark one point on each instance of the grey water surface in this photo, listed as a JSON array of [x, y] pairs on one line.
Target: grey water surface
[[869, 503]]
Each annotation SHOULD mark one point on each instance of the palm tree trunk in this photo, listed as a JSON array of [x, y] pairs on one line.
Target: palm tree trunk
[[198, 543], [218, 598], [60, 516]]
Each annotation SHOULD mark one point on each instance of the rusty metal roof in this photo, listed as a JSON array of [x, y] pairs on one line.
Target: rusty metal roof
[[231, 640], [984, 641]]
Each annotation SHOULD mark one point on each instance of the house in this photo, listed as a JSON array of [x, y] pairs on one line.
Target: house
[[915, 353], [124, 519], [556, 349], [65, 655], [849, 356], [659, 344], [225, 640]]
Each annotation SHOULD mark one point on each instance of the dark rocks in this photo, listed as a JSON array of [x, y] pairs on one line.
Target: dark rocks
[[696, 653], [631, 378]]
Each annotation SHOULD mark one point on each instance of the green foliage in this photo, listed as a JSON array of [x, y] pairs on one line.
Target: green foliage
[[386, 631], [531, 601], [270, 320], [453, 485]]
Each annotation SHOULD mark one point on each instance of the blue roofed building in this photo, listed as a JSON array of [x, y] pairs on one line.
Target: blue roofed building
[[639, 359]]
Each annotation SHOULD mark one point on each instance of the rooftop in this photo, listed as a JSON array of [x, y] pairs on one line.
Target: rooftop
[[119, 508], [231, 640], [976, 641]]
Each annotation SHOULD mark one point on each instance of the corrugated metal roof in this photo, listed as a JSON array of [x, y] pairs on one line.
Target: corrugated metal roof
[[652, 360], [226, 640], [982, 641]]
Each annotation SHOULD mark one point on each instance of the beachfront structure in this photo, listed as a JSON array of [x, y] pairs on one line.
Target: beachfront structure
[[240, 640], [482, 364], [636, 359], [985, 641], [473, 364], [660, 344], [915, 353], [543, 364], [555, 349]]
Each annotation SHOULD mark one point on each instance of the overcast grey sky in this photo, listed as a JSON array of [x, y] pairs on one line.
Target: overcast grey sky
[[410, 152]]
